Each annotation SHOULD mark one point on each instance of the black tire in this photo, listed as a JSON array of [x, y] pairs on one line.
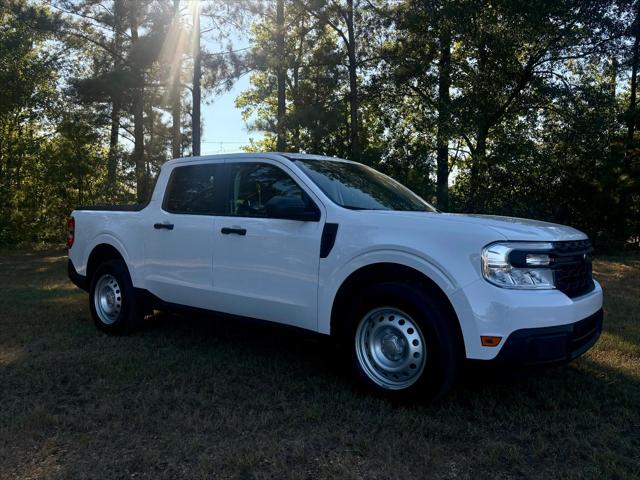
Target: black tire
[[126, 313], [442, 356]]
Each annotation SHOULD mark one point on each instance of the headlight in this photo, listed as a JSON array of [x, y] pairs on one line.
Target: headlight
[[522, 265]]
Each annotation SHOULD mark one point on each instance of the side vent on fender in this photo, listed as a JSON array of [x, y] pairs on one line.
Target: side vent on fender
[[329, 233]]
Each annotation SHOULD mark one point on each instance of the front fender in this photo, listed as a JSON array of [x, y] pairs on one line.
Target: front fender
[[334, 278]]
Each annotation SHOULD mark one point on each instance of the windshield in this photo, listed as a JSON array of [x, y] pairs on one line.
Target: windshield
[[358, 187]]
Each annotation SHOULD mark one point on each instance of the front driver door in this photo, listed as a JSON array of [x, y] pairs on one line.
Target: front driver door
[[266, 268]]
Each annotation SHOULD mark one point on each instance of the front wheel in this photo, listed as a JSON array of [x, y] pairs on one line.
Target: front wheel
[[403, 342], [390, 348], [112, 300]]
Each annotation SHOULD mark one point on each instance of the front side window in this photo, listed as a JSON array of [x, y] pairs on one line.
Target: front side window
[[191, 189], [357, 187], [252, 185]]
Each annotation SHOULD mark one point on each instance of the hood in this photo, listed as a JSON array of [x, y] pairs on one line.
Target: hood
[[513, 228], [499, 228]]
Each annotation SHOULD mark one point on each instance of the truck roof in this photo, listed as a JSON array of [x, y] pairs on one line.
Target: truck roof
[[272, 155]]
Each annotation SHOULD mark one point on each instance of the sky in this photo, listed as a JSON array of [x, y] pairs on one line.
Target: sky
[[224, 130]]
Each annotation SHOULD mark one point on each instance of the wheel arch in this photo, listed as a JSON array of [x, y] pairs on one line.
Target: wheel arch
[[101, 253], [390, 271]]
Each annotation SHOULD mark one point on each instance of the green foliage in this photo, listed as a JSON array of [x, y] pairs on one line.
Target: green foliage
[[28, 95], [539, 116], [535, 118], [316, 99]]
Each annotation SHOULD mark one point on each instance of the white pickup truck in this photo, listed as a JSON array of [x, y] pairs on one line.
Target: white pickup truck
[[338, 248]]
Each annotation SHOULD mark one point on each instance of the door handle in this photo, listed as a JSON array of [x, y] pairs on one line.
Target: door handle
[[237, 231], [167, 226]]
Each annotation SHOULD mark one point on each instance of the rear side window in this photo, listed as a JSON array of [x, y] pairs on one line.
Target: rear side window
[[192, 189], [252, 185]]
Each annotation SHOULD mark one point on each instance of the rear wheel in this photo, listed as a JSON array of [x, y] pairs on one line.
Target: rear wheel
[[402, 341], [112, 299]]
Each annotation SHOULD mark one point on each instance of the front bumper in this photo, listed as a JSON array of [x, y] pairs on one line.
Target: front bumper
[[484, 309], [551, 345]]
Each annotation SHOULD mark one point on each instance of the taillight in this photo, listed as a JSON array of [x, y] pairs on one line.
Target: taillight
[[71, 232]]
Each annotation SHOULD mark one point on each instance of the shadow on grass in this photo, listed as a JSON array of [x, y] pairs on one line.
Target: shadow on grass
[[319, 354], [191, 396], [198, 396], [302, 353]]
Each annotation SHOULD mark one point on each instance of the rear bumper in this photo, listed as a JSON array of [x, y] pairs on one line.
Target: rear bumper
[[77, 279], [550, 345]]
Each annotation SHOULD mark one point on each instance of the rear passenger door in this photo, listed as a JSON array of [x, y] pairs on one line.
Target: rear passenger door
[[266, 268], [180, 240]]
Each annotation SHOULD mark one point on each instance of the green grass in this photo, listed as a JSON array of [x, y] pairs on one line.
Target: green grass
[[189, 397]]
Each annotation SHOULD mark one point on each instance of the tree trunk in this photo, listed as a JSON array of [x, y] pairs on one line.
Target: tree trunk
[[197, 74], [631, 111], [176, 135], [112, 166], [478, 166], [138, 118], [626, 191], [479, 153], [353, 83], [295, 131], [116, 102], [281, 77], [444, 119], [295, 92], [151, 140]]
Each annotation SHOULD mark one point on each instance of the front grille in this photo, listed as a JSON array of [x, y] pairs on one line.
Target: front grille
[[572, 267]]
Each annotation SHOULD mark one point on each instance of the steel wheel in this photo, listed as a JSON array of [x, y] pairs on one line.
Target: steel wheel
[[390, 348], [107, 299]]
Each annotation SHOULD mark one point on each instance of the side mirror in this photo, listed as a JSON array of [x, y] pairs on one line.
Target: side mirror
[[291, 208]]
